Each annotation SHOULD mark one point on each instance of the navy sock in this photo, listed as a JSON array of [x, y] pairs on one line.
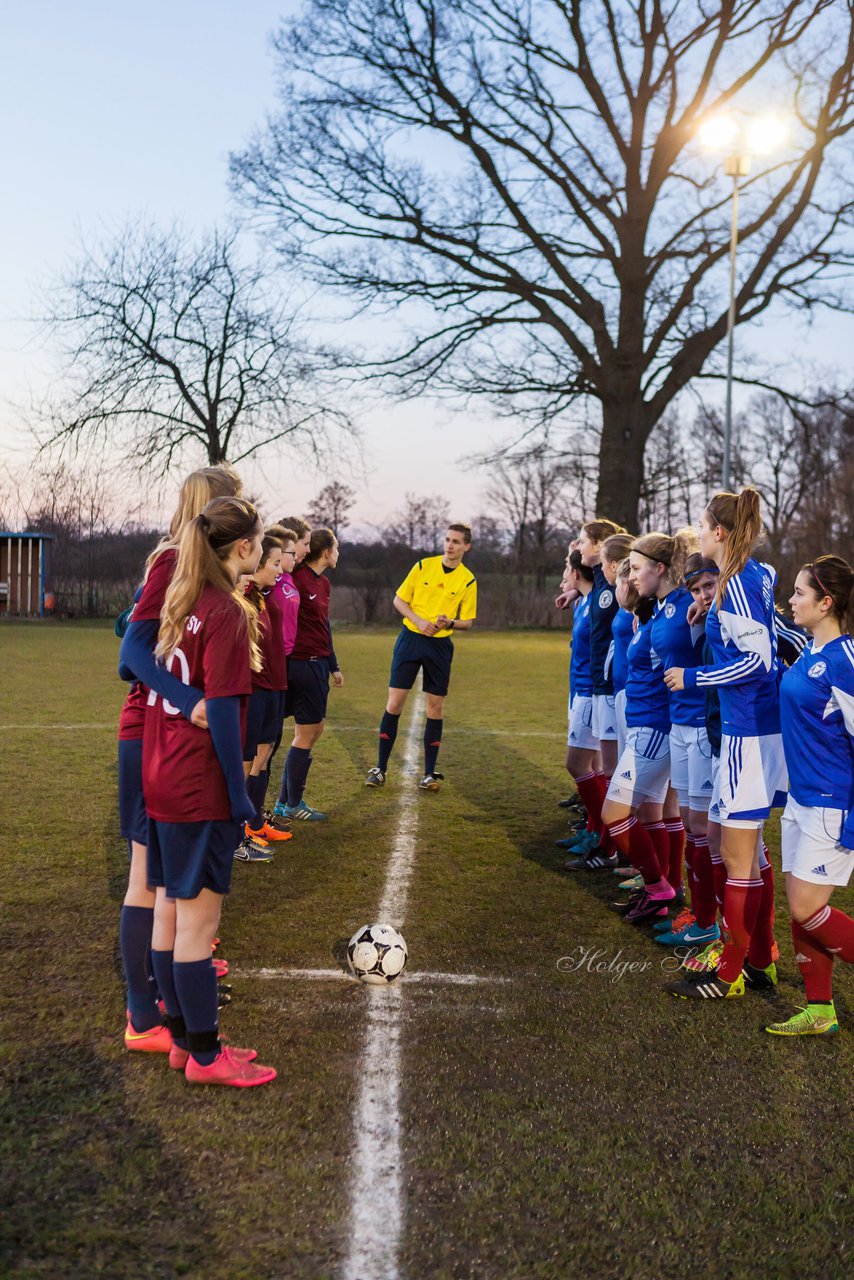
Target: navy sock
[[195, 983], [297, 766], [388, 733], [135, 943], [283, 789], [163, 968], [256, 787], [432, 743]]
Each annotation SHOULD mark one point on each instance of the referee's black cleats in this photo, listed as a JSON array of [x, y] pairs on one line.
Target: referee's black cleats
[[430, 781], [375, 778]]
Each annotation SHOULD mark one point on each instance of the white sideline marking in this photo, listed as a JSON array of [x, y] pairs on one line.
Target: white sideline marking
[[331, 728], [111, 724], [338, 975], [376, 1206]]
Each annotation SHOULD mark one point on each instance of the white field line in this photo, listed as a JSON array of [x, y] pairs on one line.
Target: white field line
[[376, 1205], [340, 975]]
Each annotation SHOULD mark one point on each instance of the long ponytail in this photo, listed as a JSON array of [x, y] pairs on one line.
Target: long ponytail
[[739, 515], [199, 488], [205, 546]]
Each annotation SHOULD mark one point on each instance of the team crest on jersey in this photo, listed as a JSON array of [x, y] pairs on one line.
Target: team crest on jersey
[[670, 611], [817, 669], [605, 599]]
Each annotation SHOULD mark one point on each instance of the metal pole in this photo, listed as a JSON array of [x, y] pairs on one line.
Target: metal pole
[[730, 327]]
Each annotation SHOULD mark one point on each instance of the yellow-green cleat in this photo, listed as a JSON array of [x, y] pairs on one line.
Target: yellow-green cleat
[[805, 1023]]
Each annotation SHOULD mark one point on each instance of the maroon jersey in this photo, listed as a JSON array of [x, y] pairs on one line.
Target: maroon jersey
[[313, 618], [148, 606], [274, 668], [181, 777]]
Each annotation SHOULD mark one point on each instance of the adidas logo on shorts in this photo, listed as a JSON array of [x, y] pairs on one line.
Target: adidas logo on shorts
[[707, 786], [819, 871], [627, 774]]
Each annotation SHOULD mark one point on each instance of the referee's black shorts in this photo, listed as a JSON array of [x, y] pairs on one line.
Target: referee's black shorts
[[415, 652]]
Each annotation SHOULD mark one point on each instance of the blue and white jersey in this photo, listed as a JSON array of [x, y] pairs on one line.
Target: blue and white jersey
[[622, 630], [647, 700], [579, 661], [743, 637], [603, 606], [679, 644], [817, 720]]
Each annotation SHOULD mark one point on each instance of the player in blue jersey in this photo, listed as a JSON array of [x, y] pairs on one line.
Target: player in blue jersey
[[622, 630], [680, 642], [817, 717], [634, 806], [602, 545], [741, 630], [582, 749]]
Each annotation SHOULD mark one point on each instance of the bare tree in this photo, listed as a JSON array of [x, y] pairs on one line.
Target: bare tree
[[530, 490], [176, 348], [420, 522], [523, 177], [332, 505]]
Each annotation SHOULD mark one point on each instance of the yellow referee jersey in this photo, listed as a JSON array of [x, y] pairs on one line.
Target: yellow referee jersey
[[430, 591]]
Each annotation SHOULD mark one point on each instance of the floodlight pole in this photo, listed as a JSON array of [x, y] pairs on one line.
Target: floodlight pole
[[735, 167]]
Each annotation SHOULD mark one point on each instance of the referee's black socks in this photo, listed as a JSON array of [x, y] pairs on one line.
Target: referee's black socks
[[388, 733]]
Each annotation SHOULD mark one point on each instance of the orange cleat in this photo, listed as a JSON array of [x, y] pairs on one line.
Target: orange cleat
[[178, 1056], [268, 833], [157, 1040], [775, 953], [228, 1069], [220, 967]]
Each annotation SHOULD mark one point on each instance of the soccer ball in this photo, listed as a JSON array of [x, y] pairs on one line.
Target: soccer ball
[[376, 953]]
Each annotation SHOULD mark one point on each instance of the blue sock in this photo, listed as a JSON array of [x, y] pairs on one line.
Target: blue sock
[[135, 943], [257, 789], [163, 968], [388, 733], [297, 766], [432, 743], [195, 983]]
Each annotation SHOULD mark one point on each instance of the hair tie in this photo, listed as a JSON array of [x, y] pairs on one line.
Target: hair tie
[[819, 581]]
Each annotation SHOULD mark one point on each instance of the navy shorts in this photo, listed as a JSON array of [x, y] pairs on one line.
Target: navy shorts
[[133, 820], [186, 857], [308, 689], [414, 652], [264, 717]]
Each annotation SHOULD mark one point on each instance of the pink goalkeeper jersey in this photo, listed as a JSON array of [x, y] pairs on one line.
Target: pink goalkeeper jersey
[[289, 602]]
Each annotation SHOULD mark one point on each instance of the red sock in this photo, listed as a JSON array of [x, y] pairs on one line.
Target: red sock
[[815, 964], [762, 937], [834, 931], [689, 865], [658, 836], [676, 842], [741, 905], [633, 842], [718, 879], [589, 790], [604, 782], [703, 901]]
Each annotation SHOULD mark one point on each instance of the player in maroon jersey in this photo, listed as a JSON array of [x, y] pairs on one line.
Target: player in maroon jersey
[[195, 791], [310, 665], [145, 1030]]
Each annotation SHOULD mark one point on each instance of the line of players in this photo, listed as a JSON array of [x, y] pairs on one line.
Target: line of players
[[695, 708], [228, 635]]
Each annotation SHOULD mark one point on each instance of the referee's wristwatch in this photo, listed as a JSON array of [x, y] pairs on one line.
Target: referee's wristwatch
[[451, 624]]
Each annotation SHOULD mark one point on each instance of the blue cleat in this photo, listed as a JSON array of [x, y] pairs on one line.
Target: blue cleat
[[302, 812]]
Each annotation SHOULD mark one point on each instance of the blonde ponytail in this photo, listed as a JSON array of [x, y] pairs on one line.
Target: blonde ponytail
[[205, 546], [740, 515], [199, 488]]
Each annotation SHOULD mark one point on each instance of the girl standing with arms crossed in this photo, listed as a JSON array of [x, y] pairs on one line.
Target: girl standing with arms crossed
[[817, 715], [741, 631], [195, 792]]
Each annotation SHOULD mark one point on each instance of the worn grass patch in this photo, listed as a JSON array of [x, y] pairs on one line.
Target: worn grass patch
[[556, 1124]]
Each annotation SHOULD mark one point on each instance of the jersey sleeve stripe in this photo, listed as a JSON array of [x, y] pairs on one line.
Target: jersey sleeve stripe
[[736, 671]]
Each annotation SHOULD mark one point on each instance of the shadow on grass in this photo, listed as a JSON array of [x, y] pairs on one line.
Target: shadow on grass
[[87, 1187]]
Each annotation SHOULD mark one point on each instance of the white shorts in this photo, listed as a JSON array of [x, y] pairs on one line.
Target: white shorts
[[810, 844], [715, 805], [643, 770], [580, 732], [691, 766], [622, 727], [604, 720], [752, 781]]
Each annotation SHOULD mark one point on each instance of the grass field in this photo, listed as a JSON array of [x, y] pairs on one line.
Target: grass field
[[555, 1124]]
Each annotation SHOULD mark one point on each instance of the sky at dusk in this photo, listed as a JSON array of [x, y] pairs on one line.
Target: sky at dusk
[[112, 111]]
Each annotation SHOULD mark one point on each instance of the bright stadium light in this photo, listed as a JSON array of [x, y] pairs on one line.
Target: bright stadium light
[[738, 140]]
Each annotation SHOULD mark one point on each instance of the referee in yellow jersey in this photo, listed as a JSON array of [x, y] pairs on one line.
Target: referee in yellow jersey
[[438, 596]]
